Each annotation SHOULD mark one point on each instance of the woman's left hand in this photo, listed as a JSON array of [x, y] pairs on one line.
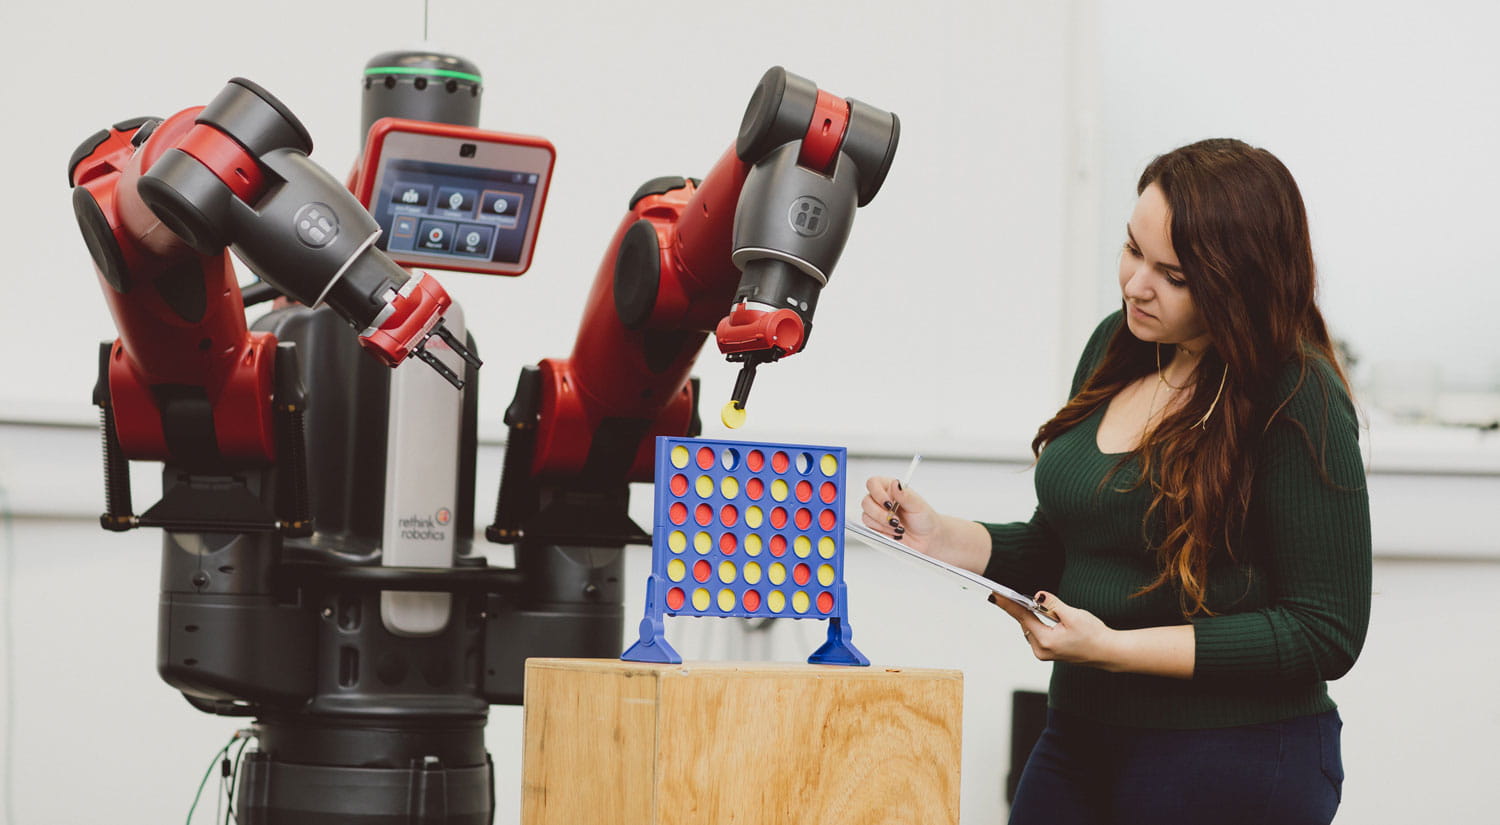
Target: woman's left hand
[[1078, 636]]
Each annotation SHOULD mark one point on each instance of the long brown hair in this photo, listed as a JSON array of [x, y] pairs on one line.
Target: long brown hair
[[1240, 232]]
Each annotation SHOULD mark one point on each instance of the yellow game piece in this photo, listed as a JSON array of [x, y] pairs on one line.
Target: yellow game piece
[[826, 547], [732, 416], [777, 573], [729, 487], [677, 541], [829, 464], [825, 574], [778, 490], [802, 546], [700, 599], [753, 517], [705, 486], [702, 543], [676, 570], [776, 601], [800, 602], [752, 573], [752, 544], [726, 572], [726, 600]]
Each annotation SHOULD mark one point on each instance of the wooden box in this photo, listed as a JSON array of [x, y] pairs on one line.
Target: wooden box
[[713, 743]]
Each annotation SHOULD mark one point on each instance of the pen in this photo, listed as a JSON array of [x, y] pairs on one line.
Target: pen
[[911, 470]]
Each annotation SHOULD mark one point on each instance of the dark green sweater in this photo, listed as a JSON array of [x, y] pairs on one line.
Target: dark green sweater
[[1291, 610]]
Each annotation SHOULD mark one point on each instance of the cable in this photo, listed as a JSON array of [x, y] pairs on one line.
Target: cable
[[203, 783], [234, 774]]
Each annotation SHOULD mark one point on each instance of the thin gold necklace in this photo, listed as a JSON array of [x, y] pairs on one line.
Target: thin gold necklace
[[1162, 376]]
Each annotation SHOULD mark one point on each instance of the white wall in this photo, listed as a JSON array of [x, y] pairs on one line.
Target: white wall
[[1385, 113]]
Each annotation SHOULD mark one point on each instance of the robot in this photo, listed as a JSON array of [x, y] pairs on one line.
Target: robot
[[318, 573]]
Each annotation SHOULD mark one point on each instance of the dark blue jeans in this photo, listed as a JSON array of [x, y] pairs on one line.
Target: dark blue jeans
[[1085, 773]]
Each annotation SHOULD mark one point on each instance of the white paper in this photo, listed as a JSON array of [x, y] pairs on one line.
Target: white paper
[[966, 579]]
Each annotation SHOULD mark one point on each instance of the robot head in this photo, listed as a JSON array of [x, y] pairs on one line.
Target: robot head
[[420, 85]]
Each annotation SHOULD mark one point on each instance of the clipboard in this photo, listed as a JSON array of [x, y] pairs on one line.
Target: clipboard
[[965, 579]]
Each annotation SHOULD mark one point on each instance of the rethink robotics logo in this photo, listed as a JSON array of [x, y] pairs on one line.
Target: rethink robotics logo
[[806, 216], [427, 528]]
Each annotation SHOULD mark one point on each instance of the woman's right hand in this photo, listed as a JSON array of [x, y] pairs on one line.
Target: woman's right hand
[[907, 517], [901, 514]]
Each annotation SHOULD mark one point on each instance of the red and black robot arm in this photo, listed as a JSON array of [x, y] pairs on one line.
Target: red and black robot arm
[[743, 253], [242, 178], [159, 204]]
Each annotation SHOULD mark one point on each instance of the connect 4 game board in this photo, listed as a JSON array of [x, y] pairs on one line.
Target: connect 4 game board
[[747, 529]]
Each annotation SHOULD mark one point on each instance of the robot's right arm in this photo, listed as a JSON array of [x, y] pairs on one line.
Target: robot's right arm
[[236, 174]]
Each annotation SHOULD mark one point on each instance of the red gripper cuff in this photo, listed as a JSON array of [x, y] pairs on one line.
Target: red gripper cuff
[[748, 330], [416, 313]]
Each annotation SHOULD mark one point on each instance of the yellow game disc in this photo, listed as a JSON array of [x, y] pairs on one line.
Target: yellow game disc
[[826, 548], [732, 416], [702, 543], [778, 490], [752, 544], [802, 546], [726, 600], [776, 601], [752, 573], [726, 572], [705, 486], [829, 464], [753, 517], [800, 602], [676, 570], [777, 573], [700, 599], [677, 541], [825, 574], [729, 487]]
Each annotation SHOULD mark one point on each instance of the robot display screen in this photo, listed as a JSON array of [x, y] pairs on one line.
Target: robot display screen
[[461, 213]]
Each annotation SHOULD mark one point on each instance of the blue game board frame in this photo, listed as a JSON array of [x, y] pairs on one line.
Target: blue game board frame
[[720, 549]]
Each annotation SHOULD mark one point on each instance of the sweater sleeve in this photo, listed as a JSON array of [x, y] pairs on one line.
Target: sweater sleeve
[[1310, 522], [1024, 555]]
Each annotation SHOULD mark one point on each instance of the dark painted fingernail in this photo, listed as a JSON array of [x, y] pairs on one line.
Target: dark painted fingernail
[[890, 505], [899, 487], [894, 522], [900, 531], [1041, 598]]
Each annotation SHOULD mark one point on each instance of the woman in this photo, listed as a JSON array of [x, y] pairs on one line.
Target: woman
[[1202, 535]]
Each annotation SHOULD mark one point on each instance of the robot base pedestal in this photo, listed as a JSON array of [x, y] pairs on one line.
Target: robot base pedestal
[[631, 743]]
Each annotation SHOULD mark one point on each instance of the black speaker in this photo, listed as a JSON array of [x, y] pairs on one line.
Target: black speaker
[[1028, 716]]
